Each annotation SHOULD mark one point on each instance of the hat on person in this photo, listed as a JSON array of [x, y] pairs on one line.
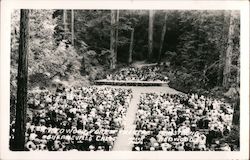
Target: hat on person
[[43, 147], [99, 147], [30, 145], [56, 145], [68, 138], [32, 136], [152, 148], [156, 144], [137, 148], [217, 142], [44, 137], [42, 121], [91, 147]]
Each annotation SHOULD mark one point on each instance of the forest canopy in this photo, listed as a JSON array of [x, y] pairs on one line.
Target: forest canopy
[[76, 44]]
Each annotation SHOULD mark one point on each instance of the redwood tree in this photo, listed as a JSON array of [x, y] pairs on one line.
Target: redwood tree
[[131, 46], [229, 52], [162, 37], [72, 27], [65, 24], [113, 54], [116, 30], [222, 49], [150, 33], [21, 106]]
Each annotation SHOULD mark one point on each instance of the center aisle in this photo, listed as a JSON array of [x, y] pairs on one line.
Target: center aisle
[[125, 136]]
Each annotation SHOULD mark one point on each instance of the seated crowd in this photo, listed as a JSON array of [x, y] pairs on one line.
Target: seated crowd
[[182, 123], [86, 119], [138, 74]]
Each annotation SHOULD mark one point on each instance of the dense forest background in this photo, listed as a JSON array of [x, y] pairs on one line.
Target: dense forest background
[[73, 46]]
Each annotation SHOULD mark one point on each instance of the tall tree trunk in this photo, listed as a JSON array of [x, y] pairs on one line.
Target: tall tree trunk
[[21, 107], [112, 41], [150, 34], [131, 46], [238, 72], [222, 47], [162, 38], [65, 25], [228, 59], [116, 31], [72, 27]]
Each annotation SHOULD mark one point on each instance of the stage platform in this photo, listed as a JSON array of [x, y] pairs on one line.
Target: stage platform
[[131, 83]]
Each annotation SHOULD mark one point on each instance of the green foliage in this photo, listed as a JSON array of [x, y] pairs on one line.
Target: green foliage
[[234, 137], [41, 37], [195, 41], [93, 28], [183, 81], [194, 44], [45, 58], [198, 41]]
